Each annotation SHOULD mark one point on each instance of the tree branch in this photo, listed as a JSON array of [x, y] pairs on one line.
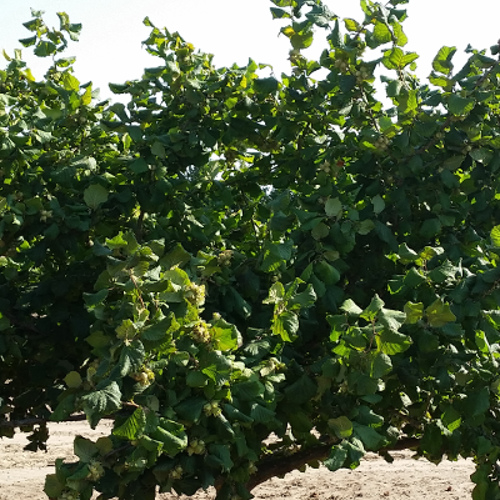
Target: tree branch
[[11, 424], [279, 465]]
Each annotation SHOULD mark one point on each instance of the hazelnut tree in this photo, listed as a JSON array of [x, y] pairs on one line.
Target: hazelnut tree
[[228, 257]]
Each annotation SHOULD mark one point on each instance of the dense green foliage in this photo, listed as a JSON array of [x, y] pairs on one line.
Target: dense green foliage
[[228, 256]]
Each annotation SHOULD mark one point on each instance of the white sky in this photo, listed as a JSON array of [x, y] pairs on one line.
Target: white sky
[[233, 30]]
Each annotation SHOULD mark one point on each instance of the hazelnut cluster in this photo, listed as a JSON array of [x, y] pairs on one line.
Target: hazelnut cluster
[[96, 470], [212, 408], [382, 143], [196, 447], [201, 333], [176, 473], [195, 294], [224, 258], [144, 377]]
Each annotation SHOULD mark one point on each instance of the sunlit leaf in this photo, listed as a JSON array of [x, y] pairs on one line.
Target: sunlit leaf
[[342, 426], [414, 312], [133, 427], [495, 236], [439, 313], [73, 380], [442, 62]]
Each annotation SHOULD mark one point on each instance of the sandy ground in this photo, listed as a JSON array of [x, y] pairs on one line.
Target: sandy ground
[[22, 475]]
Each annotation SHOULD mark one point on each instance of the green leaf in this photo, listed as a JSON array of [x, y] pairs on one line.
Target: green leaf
[[226, 336], [333, 207], [67, 406], [158, 149], [370, 438], [460, 105], [431, 442], [356, 451], [442, 62], [133, 427], [342, 426], [453, 162], [406, 254], [279, 13], [160, 331], [391, 342], [477, 402], [304, 299], [335, 38], [102, 402], [248, 390], [407, 101], [45, 49], [118, 88], [365, 226], [337, 458], [85, 449], [196, 379], [352, 25], [126, 330], [95, 195], [216, 371], [220, 454], [414, 278], [378, 204], [430, 228], [327, 273], [439, 313], [261, 414], [28, 42], [351, 308], [172, 435], [70, 82], [151, 445], [301, 391], [4, 323], [495, 236], [73, 380], [275, 255], [385, 234], [175, 257], [177, 277], [441, 81], [320, 231], [53, 487], [190, 409], [380, 365], [368, 7], [266, 85], [320, 15], [393, 59], [139, 166], [445, 272], [381, 33], [93, 299], [401, 38], [414, 312], [276, 294], [373, 308], [451, 418], [482, 342], [302, 40], [286, 325]]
